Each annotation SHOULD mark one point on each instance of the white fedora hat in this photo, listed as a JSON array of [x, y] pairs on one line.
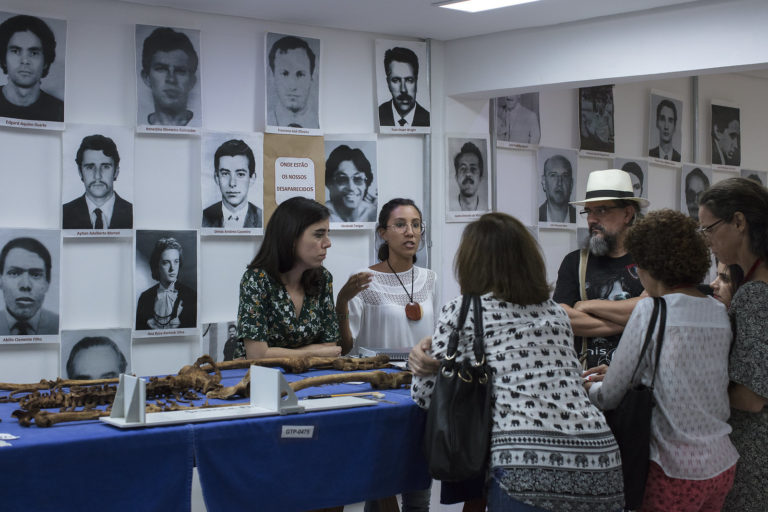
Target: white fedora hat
[[610, 185]]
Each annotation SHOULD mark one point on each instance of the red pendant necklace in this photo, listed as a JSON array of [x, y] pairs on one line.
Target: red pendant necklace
[[752, 269], [412, 309]]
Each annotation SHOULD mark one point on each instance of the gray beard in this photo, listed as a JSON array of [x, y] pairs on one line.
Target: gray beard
[[601, 245]]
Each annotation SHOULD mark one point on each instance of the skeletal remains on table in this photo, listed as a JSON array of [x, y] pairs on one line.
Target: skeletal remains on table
[[204, 376]]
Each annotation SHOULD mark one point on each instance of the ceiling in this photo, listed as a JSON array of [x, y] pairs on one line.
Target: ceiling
[[415, 18]]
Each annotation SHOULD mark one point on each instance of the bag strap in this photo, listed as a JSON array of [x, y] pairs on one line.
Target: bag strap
[[583, 258], [660, 336], [478, 346], [648, 335], [453, 339]]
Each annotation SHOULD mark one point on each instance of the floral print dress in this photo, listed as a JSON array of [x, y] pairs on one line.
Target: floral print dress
[[266, 313]]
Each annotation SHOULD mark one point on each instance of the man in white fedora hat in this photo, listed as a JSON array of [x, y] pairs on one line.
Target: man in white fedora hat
[[598, 285]]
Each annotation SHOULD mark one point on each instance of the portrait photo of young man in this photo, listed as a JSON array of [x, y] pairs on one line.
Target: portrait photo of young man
[[32, 52], [664, 134], [95, 353], [694, 181], [402, 76], [726, 135], [232, 183], [760, 177], [596, 118], [29, 280], [168, 70], [293, 84], [638, 173], [93, 169]]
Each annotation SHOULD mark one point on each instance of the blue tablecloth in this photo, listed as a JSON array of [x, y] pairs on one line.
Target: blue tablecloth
[[355, 454]]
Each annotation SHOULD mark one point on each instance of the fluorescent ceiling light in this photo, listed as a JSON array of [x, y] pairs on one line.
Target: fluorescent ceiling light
[[480, 5]]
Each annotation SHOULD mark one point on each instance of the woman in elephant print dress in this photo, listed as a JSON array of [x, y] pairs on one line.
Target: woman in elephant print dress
[[550, 447]]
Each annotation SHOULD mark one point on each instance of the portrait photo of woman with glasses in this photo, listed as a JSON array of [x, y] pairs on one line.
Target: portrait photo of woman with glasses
[[349, 182]]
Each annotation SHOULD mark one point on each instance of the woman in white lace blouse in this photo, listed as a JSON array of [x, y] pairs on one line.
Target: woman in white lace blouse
[[692, 459], [391, 304]]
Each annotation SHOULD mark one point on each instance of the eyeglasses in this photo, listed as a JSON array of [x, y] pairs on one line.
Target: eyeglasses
[[707, 230], [340, 180], [401, 227], [597, 211]]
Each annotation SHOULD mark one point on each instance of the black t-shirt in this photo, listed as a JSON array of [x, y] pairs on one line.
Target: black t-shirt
[[46, 108], [606, 278]]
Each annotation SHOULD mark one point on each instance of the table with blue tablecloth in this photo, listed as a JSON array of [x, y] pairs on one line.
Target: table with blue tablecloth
[[243, 464]]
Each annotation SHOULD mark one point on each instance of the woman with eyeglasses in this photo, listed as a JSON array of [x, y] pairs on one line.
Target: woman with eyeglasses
[[286, 295], [692, 460], [391, 304], [733, 215], [348, 176]]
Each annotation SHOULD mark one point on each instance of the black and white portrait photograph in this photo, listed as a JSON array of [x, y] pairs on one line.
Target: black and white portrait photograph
[[402, 86], [350, 181], [30, 280], [638, 171], [760, 177], [517, 120], [220, 340], [555, 187], [232, 184], [664, 133], [596, 118], [694, 181], [293, 84], [726, 135], [93, 354], [468, 183], [32, 56], [168, 80], [97, 181], [165, 282]]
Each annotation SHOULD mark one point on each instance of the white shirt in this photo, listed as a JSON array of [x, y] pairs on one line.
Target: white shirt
[[234, 219], [408, 117], [665, 156], [106, 210], [33, 324], [689, 429], [377, 315]]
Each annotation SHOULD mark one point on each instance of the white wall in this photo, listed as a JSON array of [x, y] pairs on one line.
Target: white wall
[[518, 182], [657, 49], [100, 89], [675, 41]]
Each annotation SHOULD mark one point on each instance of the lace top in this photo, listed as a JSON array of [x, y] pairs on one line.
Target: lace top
[[377, 315], [689, 429]]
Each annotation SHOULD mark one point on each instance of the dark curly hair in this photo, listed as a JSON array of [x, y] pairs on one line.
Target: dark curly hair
[[667, 245]]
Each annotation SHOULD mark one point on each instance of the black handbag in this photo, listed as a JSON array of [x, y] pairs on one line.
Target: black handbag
[[630, 422], [457, 435]]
